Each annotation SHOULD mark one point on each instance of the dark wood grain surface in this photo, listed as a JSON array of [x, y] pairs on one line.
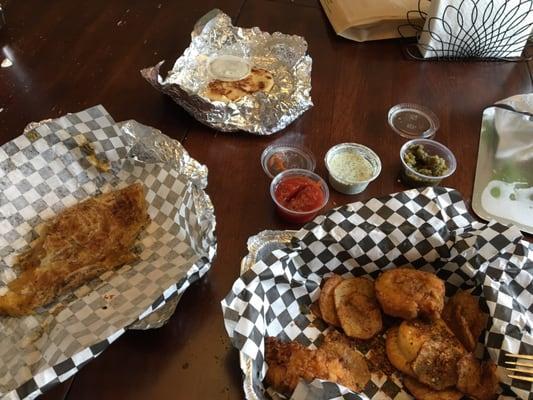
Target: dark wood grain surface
[[69, 55]]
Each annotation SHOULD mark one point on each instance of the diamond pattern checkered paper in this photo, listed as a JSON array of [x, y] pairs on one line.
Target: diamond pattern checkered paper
[[44, 171], [430, 229]]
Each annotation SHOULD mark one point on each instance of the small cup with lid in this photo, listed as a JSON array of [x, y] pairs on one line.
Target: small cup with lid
[[351, 167], [277, 158], [228, 68]]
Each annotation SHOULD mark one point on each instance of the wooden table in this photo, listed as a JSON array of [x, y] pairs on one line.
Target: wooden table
[[71, 55]]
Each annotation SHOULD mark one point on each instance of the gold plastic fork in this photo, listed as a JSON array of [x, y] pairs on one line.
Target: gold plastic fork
[[527, 373]]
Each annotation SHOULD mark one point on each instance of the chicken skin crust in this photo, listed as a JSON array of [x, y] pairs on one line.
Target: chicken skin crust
[[408, 293]]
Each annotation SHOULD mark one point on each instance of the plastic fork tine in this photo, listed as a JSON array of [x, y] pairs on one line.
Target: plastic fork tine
[[522, 356], [523, 370], [520, 364], [522, 378], [528, 371]]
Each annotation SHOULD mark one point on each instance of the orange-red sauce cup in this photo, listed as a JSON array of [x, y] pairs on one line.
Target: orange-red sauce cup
[[299, 195]]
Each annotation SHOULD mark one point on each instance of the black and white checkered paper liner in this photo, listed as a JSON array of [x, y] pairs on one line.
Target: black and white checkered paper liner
[[42, 172], [430, 229]]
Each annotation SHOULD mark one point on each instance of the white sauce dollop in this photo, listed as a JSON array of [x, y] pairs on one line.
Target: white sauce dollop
[[350, 167]]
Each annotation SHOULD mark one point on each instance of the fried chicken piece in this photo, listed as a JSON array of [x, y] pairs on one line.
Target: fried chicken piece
[[395, 354], [424, 392], [354, 373], [431, 350], [465, 318], [79, 244], [336, 360], [408, 293], [436, 363], [477, 380], [289, 362]]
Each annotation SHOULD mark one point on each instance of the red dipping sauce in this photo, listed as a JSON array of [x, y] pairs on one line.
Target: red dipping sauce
[[299, 196]]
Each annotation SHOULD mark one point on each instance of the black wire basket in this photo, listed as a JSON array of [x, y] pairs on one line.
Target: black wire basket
[[494, 30]]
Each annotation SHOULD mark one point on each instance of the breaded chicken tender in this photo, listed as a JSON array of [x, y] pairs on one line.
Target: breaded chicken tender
[[408, 293], [355, 373], [289, 362], [335, 360]]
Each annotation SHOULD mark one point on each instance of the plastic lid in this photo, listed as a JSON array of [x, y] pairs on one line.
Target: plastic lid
[[228, 68], [413, 121], [278, 158]]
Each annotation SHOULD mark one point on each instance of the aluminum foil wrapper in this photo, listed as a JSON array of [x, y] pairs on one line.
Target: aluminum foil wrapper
[[57, 163], [151, 146], [260, 113]]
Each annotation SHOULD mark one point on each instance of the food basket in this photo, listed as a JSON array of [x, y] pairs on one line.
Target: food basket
[[430, 229]]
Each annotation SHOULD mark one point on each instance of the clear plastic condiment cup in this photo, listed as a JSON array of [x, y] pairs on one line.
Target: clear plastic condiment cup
[[280, 157], [228, 67], [414, 178], [351, 187], [413, 121], [298, 217]]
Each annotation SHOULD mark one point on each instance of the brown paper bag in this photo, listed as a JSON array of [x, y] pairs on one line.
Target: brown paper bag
[[363, 20]]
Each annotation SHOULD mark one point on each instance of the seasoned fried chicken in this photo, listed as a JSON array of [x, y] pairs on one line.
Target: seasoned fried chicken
[[477, 380], [427, 350], [336, 360], [408, 293], [289, 362]]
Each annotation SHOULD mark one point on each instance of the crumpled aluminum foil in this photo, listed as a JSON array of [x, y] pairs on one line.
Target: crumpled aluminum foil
[[261, 114], [150, 145]]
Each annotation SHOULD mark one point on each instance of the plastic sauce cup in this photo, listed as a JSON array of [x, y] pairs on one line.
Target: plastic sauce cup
[[228, 68], [298, 217], [339, 183], [415, 179], [277, 158]]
